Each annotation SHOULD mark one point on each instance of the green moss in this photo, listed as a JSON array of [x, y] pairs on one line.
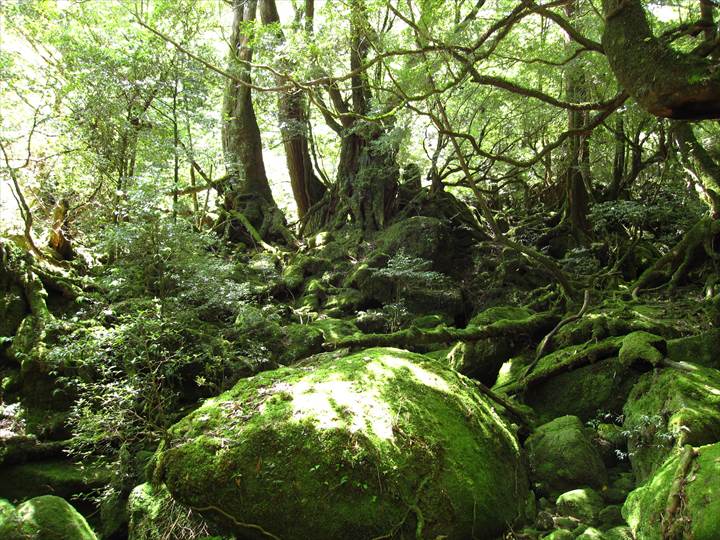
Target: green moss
[[356, 447], [703, 349], [13, 309], [9, 522], [52, 518], [584, 504], [562, 457], [700, 512], [642, 346], [583, 392], [42, 478], [667, 410]]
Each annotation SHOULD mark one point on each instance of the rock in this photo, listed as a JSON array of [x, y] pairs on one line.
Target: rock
[[43, 518], [303, 340], [345, 448], [559, 534], [154, 514], [702, 349], [642, 346], [667, 410], [373, 321], [420, 237], [583, 392], [483, 359], [544, 521], [562, 457], [57, 477], [698, 517], [619, 533], [611, 516], [342, 301], [9, 522], [591, 533], [610, 442], [584, 504]]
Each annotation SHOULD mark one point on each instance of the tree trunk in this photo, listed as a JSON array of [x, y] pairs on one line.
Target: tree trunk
[[707, 172], [368, 172], [293, 120], [249, 192], [576, 209], [665, 82]]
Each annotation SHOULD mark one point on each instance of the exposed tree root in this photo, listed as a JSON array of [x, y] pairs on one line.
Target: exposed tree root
[[672, 267], [250, 526], [540, 351], [533, 325], [672, 524], [587, 356]]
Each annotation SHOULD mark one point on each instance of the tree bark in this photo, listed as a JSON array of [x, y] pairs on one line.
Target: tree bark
[[665, 82], [293, 121], [249, 190], [367, 172], [577, 208]]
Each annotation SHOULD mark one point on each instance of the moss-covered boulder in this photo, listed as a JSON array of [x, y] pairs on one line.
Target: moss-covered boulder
[[376, 443], [562, 457], [584, 504], [697, 517], [601, 387], [154, 514], [702, 349], [421, 237], [299, 341], [43, 518], [668, 409]]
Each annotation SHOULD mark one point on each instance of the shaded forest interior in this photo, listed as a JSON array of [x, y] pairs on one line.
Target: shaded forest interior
[[359, 269]]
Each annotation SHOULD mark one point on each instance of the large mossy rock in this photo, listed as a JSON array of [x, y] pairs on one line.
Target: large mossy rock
[[586, 392], [422, 237], [698, 517], [562, 457], [43, 518], [668, 409], [702, 349], [376, 443]]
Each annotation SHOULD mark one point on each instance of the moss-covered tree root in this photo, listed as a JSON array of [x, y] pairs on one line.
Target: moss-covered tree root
[[676, 263], [672, 527], [534, 325]]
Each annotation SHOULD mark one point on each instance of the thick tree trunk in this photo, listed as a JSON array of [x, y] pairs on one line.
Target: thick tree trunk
[[293, 121], [249, 192], [664, 82], [368, 177], [367, 173], [707, 171]]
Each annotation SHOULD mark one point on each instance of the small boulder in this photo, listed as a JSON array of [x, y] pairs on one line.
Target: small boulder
[[584, 504], [43, 518], [563, 457]]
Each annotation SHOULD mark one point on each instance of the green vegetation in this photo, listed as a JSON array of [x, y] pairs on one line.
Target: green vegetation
[[372, 269]]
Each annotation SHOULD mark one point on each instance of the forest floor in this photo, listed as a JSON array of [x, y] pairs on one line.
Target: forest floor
[[424, 383]]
